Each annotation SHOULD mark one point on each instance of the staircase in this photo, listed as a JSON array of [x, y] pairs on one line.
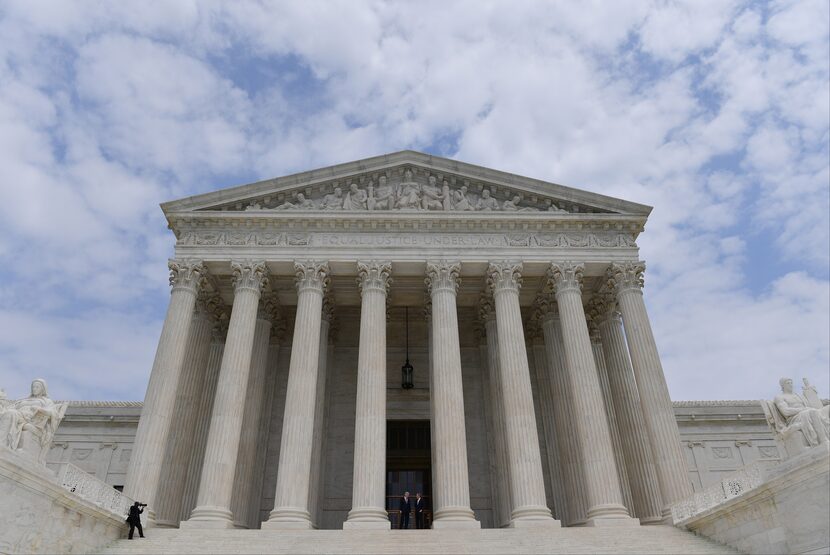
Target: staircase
[[640, 539]]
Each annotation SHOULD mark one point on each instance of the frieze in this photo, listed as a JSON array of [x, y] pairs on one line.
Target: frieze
[[461, 240]]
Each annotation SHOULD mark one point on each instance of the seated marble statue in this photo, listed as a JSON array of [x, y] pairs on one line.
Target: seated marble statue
[[799, 421], [28, 425]]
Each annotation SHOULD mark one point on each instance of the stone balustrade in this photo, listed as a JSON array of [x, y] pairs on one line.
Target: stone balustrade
[[90, 488]]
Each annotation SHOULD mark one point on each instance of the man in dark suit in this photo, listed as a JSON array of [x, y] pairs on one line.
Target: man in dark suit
[[406, 508], [134, 519], [419, 511]]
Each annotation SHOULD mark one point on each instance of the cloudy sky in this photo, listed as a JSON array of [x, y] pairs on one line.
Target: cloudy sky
[[715, 113]]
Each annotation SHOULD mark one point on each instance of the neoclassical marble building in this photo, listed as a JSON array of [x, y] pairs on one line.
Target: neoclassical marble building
[[537, 396]]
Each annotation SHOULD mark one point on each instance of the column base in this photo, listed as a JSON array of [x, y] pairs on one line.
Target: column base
[[288, 518], [652, 520], [367, 518], [612, 522], [530, 515], [454, 517], [166, 524], [203, 518]]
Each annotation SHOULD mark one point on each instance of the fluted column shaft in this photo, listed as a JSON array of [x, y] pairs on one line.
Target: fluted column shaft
[[200, 432], [651, 383], [294, 473], [611, 415], [318, 462], [547, 411], [265, 423], [154, 425], [570, 455], [605, 503], [497, 404], [180, 442], [642, 476], [369, 477], [451, 486], [524, 460], [252, 415], [217, 480]]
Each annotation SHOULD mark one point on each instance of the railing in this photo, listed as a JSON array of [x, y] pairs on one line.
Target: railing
[[746, 479], [93, 490]]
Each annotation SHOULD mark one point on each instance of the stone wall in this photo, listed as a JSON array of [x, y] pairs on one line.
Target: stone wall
[[788, 513], [37, 515]]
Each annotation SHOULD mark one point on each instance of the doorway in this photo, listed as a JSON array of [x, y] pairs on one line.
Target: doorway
[[408, 467]]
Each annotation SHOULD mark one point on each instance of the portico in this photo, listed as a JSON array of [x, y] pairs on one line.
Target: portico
[[279, 362]]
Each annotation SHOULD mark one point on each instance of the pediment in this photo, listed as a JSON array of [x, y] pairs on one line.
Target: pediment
[[405, 181]]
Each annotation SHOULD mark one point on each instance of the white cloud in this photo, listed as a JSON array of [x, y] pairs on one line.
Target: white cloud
[[716, 114]]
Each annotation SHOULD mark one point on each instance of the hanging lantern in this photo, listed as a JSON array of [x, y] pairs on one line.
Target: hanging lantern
[[406, 369]]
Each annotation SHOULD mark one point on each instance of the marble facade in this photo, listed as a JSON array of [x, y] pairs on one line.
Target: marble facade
[[288, 295]]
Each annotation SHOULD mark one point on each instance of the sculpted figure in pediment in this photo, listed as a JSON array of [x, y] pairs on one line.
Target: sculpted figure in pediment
[[28, 425], [380, 197], [301, 204], [487, 203], [333, 201], [461, 201], [512, 205], [253, 206], [430, 197], [409, 193], [553, 208], [355, 198]]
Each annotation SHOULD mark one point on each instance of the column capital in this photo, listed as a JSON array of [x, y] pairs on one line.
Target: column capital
[[505, 275], [374, 275], [311, 274], [627, 276], [251, 275], [443, 275], [565, 276], [187, 274]]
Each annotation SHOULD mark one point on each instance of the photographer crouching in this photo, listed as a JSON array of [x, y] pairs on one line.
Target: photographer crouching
[[134, 519]]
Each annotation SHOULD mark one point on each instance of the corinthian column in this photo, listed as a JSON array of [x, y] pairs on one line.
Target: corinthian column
[[206, 397], [180, 443], [605, 503], [547, 410], [294, 474], [502, 476], [658, 414], [186, 277], [524, 461], [252, 415], [315, 492], [610, 413], [570, 456], [369, 482], [642, 476], [451, 486], [216, 485]]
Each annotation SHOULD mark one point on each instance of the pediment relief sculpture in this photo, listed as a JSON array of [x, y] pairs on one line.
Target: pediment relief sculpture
[[799, 422], [28, 425], [404, 190]]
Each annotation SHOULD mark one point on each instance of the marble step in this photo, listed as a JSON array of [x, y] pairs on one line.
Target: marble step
[[643, 539]]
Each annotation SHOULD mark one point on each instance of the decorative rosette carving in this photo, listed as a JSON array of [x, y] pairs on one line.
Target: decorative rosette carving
[[374, 276], [311, 274], [187, 274], [565, 276], [627, 276], [504, 276], [249, 274], [443, 275]]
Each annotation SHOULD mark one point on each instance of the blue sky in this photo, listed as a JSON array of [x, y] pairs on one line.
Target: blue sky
[[715, 113]]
